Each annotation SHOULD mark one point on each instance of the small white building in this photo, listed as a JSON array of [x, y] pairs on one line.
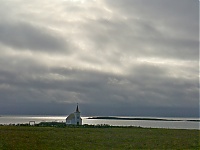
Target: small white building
[[74, 118]]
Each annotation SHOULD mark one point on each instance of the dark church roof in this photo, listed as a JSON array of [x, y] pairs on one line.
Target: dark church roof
[[77, 110]]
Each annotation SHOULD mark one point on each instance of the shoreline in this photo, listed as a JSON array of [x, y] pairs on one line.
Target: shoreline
[[146, 119]]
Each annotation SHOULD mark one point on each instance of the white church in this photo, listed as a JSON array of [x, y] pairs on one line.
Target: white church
[[74, 118]]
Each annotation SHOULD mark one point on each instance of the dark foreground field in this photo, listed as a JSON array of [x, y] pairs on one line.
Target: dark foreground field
[[52, 138]]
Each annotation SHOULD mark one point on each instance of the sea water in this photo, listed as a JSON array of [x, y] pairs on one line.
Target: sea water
[[183, 124]]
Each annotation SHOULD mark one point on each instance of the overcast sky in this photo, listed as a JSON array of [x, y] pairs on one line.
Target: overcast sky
[[113, 57]]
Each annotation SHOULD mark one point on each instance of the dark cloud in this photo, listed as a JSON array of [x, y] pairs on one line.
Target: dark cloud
[[125, 58], [169, 27], [25, 36], [94, 88]]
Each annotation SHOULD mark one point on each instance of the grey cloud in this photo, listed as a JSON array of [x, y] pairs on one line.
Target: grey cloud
[[154, 45], [25, 36], [168, 9], [141, 89], [153, 18], [139, 39]]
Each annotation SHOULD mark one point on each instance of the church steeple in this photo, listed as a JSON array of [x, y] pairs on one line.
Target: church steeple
[[77, 110]]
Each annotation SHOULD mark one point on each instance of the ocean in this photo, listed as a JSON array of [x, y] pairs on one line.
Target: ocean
[[183, 123]]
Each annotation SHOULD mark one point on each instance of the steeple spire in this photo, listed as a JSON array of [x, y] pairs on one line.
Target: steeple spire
[[77, 110]]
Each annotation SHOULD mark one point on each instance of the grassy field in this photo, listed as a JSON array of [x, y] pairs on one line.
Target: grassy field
[[52, 138]]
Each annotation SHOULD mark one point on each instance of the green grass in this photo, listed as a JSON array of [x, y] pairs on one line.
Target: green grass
[[52, 138]]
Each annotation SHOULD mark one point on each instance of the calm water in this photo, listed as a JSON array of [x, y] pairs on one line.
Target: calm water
[[142, 123]]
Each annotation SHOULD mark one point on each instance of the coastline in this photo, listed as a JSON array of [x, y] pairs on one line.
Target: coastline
[[139, 121], [146, 119]]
